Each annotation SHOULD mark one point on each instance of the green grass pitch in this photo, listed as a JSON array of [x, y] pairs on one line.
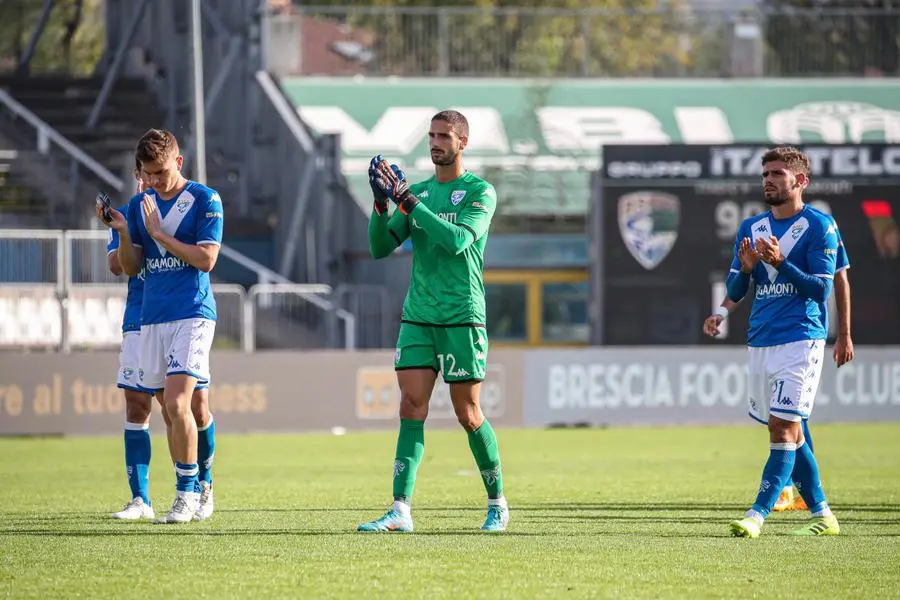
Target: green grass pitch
[[602, 513]]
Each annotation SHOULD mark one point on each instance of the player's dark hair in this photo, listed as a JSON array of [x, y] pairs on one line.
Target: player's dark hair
[[156, 145], [796, 161], [137, 162], [458, 123]]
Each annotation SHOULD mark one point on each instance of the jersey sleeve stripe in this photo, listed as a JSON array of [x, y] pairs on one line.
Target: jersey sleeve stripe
[[394, 235], [108, 252], [733, 271], [844, 268], [208, 243], [470, 230], [137, 245], [824, 275]]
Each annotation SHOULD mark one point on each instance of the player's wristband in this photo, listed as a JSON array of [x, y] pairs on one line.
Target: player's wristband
[[407, 203], [722, 312]]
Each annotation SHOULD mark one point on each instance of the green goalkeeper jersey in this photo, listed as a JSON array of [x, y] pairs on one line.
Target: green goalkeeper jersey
[[448, 230]]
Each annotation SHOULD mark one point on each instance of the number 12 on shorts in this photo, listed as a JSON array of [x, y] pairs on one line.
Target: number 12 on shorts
[[448, 370]]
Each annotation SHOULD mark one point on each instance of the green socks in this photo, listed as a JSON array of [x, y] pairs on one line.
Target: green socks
[[410, 449], [483, 442]]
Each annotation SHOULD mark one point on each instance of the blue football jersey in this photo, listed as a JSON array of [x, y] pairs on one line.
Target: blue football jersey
[[131, 321], [779, 315], [173, 289]]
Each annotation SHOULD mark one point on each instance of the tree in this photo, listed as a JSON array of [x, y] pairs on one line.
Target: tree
[[832, 37], [523, 37], [72, 40]]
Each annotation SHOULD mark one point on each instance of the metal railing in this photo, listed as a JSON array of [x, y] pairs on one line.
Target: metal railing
[[46, 137], [674, 39], [32, 256], [377, 319], [301, 309]]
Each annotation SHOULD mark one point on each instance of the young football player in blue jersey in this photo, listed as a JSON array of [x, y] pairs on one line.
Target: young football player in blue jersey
[[138, 402], [842, 353], [173, 232], [790, 252]]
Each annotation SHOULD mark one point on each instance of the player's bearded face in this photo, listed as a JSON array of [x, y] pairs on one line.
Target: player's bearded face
[[780, 184], [444, 143]]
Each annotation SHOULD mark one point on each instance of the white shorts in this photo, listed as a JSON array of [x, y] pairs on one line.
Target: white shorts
[[130, 361], [784, 379], [175, 348]]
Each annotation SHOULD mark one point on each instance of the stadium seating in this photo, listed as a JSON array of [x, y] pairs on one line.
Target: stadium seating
[[31, 317]]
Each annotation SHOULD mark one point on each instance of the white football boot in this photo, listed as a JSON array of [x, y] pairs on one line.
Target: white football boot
[[205, 506], [135, 510], [182, 510]]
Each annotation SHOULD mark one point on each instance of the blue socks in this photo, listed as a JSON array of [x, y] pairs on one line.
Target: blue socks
[[137, 460], [806, 478], [206, 450], [186, 477], [804, 424], [776, 474]]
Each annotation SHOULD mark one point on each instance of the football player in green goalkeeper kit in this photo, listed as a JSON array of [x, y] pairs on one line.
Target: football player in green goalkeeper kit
[[442, 329]]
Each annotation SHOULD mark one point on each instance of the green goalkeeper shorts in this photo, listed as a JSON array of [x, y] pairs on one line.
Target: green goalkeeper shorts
[[458, 353]]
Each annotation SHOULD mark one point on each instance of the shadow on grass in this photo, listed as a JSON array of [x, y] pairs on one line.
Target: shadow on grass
[[566, 507], [186, 530], [87, 524]]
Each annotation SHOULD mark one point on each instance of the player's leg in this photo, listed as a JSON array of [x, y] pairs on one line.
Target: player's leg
[[137, 430], [793, 378], [206, 449], [806, 468], [790, 498], [784, 438], [784, 435], [797, 501], [168, 422], [462, 355], [416, 367], [177, 404], [187, 343], [137, 455]]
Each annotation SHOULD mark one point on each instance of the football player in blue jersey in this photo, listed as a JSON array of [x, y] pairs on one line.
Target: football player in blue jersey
[[790, 252], [138, 402], [842, 353], [173, 232]]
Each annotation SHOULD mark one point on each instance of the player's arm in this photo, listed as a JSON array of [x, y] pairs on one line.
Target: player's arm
[[472, 222], [842, 296], [738, 281], [387, 233], [202, 255], [821, 260], [843, 345], [130, 254], [112, 253], [712, 322]]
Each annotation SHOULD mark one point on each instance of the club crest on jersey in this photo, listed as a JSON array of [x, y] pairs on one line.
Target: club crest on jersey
[[183, 204], [797, 229], [648, 221], [457, 196]]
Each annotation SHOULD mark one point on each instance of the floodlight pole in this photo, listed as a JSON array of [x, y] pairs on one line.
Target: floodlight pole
[[199, 109]]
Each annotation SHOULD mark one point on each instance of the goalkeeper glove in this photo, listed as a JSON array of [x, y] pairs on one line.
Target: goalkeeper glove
[[381, 199], [392, 182]]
